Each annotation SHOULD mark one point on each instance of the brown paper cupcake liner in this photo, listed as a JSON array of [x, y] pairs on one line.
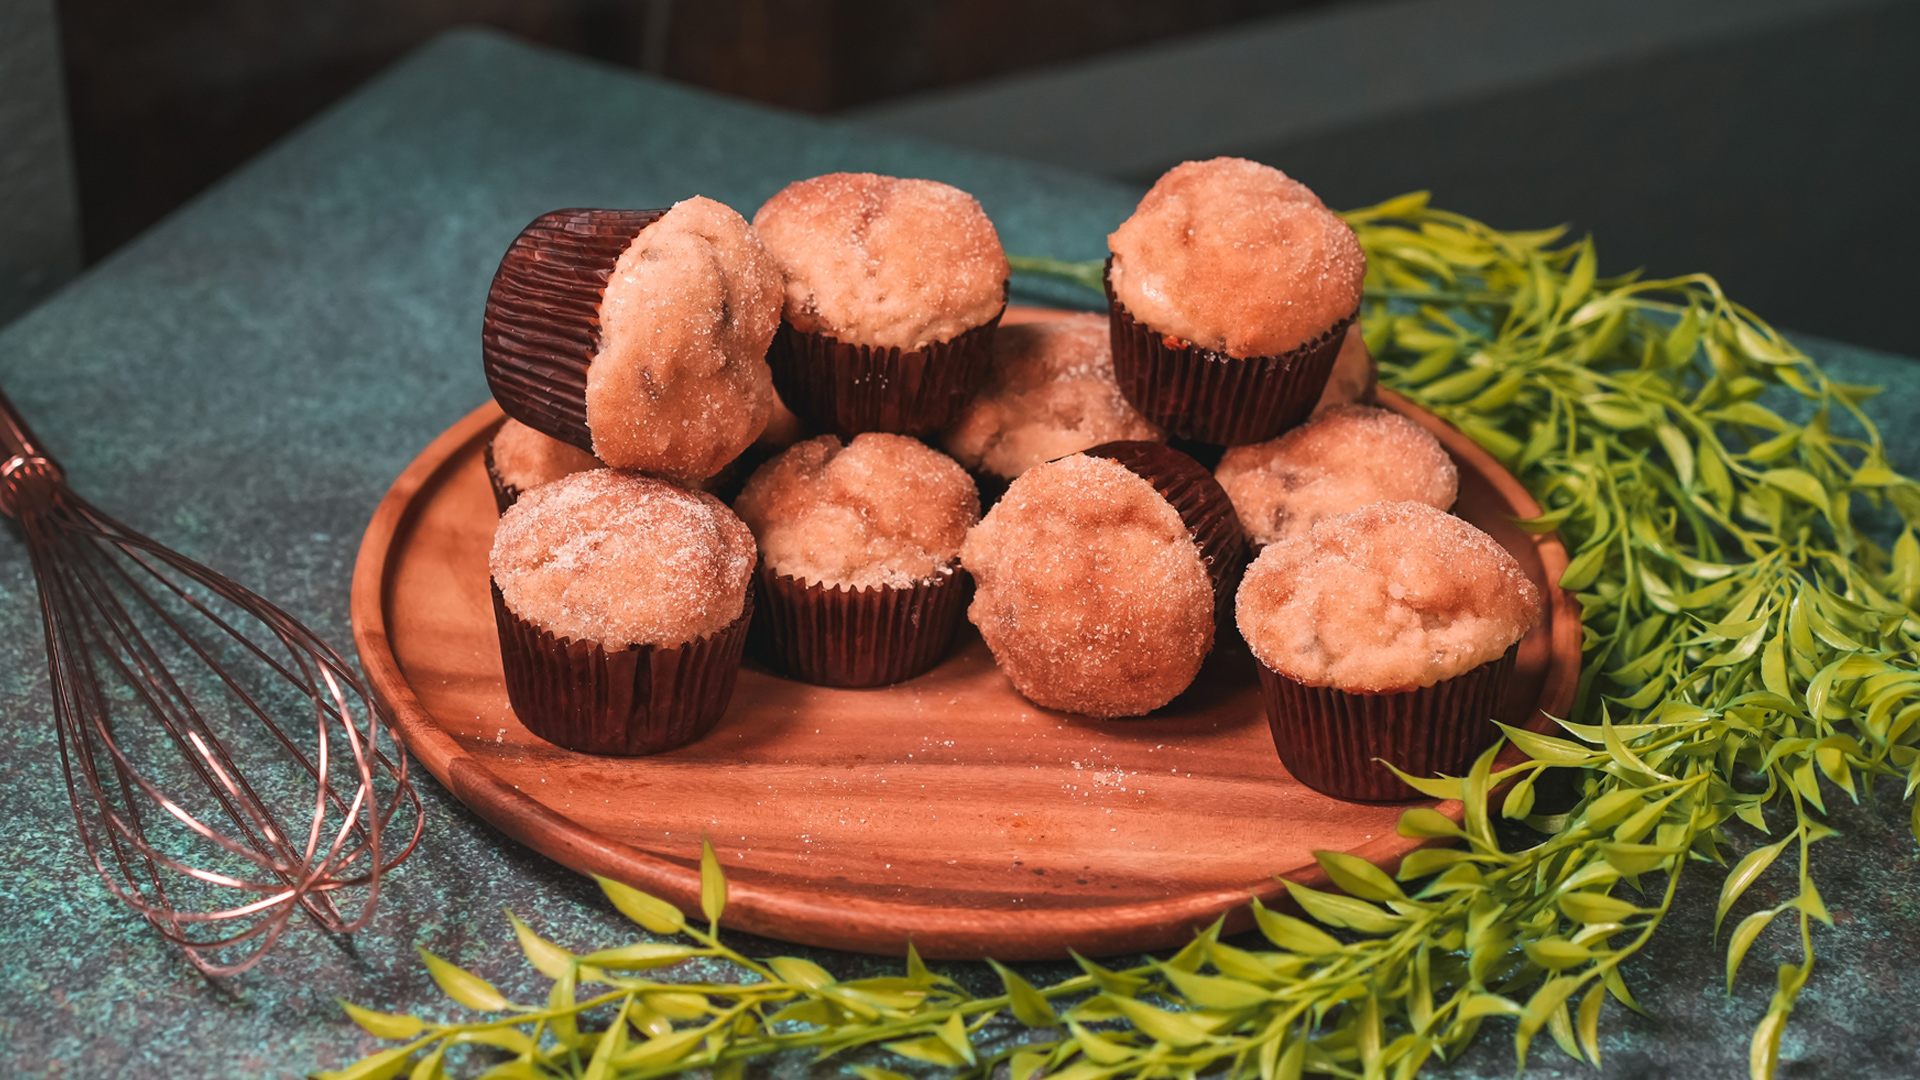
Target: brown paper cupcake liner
[[834, 636], [542, 323], [1202, 504], [1328, 739], [1211, 397], [504, 494], [639, 700], [848, 389]]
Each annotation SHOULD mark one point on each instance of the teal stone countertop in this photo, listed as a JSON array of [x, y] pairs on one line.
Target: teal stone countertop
[[244, 381]]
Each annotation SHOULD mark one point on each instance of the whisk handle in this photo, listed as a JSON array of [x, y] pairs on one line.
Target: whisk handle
[[26, 465]]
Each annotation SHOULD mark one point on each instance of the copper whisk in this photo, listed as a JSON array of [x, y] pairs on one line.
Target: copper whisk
[[166, 680]]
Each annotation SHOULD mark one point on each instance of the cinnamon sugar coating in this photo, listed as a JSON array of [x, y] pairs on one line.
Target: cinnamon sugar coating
[[1051, 393], [525, 459], [1234, 256], [880, 261], [881, 511], [622, 559], [1089, 590], [1342, 459], [680, 384], [1392, 597], [1355, 374]]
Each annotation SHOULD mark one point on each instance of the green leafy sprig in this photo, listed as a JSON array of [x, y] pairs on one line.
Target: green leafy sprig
[[1749, 653]]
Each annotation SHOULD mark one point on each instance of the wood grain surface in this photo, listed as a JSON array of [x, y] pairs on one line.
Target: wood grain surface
[[947, 811]]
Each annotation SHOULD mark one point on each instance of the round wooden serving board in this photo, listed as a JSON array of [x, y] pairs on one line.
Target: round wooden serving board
[[947, 811]]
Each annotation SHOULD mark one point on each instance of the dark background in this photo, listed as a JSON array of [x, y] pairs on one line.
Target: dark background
[[1780, 158], [166, 96]]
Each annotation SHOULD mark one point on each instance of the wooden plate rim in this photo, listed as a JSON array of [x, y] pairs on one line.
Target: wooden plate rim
[[853, 922]]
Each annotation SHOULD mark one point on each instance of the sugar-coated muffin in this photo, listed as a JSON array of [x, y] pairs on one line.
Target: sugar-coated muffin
[[892, 289], [621, 559], [1342, 459], [1229, 291], [882, 261], [1090, 590], [622, 604], [1355, 377], [879, 510], [860, 545], [1050, 393], [639, 335], [1392, 597], [1237, 257], [1385, 636], [519, 459], [680, 386]]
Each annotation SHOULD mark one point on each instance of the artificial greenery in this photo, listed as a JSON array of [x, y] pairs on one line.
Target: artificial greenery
[[1749, 653]]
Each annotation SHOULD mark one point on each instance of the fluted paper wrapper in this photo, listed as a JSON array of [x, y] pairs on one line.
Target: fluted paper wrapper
[[834, 636], [1202, 504], [1328, 739], [542, 323], [504, 494], [1211, 397], [849, 389], [639, 700]]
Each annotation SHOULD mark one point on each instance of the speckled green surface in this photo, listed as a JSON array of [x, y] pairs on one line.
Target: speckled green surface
[[244, 382]]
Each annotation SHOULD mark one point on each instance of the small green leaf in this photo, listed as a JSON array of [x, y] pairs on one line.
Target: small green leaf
[[650, 912], [1343, 911], [463, 986], [1588, 1024], [1174, 1029], [1744, 873], [640, 956], [1026, 1003], [954, 1034], [1358, 877], [1027, 1063], [1293, 934], [383, 1025], [1742, 939], [1588, 907], [1098, 1050], [549, 959], [1798, 483], [802, 973], [713, 884], [380, 1066], [1425, 822]]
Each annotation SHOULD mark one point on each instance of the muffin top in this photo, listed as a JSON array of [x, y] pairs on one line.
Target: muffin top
[[1051, 392], [680, 383], [525, 459], [1089, 590], [622, 559], [880, 261], [1391, 597], [1342, 459], [1355, 376], [1233, 256], [881, 511]]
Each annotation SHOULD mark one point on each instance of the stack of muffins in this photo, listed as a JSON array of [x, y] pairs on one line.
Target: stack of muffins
[[641, 354]]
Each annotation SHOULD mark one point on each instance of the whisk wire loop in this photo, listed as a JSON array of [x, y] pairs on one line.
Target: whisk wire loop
[[166, 679]]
